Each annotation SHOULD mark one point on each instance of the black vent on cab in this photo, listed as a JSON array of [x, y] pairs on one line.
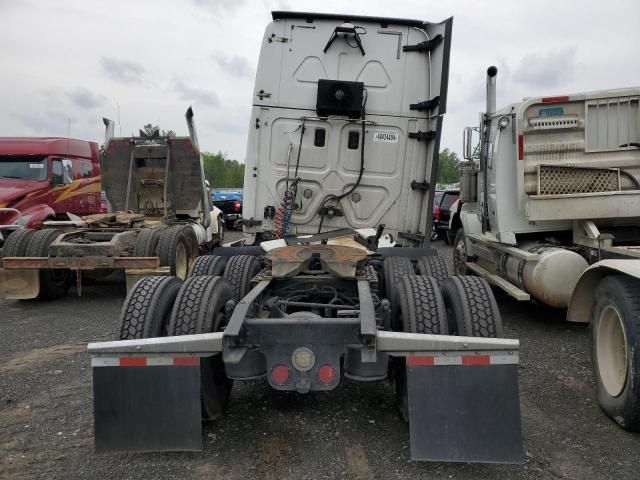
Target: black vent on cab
[[337, 97]]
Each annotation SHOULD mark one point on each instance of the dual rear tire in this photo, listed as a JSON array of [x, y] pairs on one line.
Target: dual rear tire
[[175, 245], [54, 283], [168, 306], [439, 305]]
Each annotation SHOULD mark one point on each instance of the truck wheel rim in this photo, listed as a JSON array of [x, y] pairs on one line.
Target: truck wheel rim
[[460, 257], [181, 261], [611, 351]]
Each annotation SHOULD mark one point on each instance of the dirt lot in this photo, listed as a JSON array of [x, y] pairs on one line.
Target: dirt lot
[[353, 432]]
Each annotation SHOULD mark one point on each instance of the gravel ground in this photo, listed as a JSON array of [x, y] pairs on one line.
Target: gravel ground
[[353, 432]]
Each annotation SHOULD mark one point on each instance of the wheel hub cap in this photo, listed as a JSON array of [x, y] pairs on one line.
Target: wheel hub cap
[[611, 351]]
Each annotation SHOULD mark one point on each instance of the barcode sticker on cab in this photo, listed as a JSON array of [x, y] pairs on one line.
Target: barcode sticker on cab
[[385, 137]]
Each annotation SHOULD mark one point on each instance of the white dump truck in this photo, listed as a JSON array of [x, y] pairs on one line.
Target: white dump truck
[[551, 212], [338, 281], [163, 219]]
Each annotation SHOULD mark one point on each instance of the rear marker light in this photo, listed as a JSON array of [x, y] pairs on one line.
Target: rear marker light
[[564, 98], [326, 374], [521, 147], [303, 359], [280, 374]]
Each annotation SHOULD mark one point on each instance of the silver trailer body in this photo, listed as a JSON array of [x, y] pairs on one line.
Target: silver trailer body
[[560, 159], [326, 154]]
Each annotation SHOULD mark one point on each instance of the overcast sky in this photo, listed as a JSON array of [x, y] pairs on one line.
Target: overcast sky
[[76, 60]]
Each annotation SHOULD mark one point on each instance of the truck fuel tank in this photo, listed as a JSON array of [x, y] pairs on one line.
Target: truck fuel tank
[[550, 279], [468, 182]]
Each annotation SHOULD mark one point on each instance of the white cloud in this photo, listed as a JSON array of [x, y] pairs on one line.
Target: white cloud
[[195, 95], [85, 99], [546, 69], [234, 64], [154, 57], [123, 71]]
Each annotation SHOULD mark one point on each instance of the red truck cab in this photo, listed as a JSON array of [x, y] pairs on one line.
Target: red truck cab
[[44, 178]]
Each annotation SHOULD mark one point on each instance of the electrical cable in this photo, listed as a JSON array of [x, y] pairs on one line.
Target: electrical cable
[[361, 173], [282, 217]]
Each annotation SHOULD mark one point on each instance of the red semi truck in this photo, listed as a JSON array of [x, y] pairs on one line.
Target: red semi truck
[[44, 179]]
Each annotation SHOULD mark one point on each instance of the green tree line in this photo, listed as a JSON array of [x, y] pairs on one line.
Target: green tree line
[[448, 167], [221, 171]]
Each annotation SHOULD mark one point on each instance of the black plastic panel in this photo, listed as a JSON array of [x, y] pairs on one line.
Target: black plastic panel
[[465, 413], [145, 409], [338, 97]]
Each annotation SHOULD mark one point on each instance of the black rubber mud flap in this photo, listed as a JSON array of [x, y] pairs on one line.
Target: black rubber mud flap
[[465, 411], [143, 407]]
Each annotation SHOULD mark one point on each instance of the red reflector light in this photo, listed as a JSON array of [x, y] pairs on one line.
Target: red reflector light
[[236, 206], [186, 361], [436, 213], [280, 374], [133, 361], [564, 98], [521, 147], [476, 360], [326, 373], [414, 361]]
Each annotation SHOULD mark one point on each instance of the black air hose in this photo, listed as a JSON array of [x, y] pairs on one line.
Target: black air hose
[[633, 179]]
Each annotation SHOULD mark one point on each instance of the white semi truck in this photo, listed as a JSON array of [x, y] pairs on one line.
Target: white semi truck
[[342, 150], [551, 212]]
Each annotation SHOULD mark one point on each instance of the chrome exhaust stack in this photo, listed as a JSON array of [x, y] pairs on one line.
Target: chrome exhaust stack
[[491, 90]]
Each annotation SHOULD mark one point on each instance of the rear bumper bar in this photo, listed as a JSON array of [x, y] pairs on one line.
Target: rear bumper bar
[[79, 263], [462, 394], [395, 343]]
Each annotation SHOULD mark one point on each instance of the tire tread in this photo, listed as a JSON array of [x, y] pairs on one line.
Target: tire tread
[[208, 265], [239, 271], [16, 244], [434, 266], [477, 305], [138, 308]]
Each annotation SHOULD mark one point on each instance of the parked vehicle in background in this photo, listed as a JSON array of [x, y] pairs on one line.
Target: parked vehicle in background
[[105, 206], [437, 196], [551, 208], [44, 178], [230, 204], [163, 219], [442, 213]]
